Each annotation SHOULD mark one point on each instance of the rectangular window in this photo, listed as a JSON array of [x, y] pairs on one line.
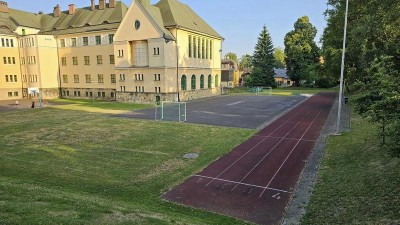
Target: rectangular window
[[120, 53], [15, 78], [113, 79], [5, 60], [73, 42], [62, 43], [157, 77], [194, 47], [13, 60], [9, 60], [76, 78], [207, 49], [74, 60], [9, 94], [11, 78], [65, 78], [7, 43], [111, 38], [12, 42], [16, 93], [88, 78], [87, 60], [190, 46], [100, 78], [156, 51], [211, 49], [112, 59], [2, 42], [67, 93], [202, 49], [7, 79], [64, 61], [98, 40], [122, 77], [99, 59], [85, 41], [198, 48]]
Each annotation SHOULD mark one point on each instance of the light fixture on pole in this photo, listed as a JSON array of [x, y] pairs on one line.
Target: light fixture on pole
[[342, 72], [92, 91]]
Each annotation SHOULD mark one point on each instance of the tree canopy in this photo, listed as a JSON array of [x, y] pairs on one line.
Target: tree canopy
[[302, 53], [231, 56], [279, 55], [245, 61], [372, 62]]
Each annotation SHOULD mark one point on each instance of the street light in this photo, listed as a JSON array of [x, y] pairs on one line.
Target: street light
[[92, 91], [342, 71]]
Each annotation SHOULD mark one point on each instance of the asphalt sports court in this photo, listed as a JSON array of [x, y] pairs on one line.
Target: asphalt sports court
[[231, 111], [254, 182]]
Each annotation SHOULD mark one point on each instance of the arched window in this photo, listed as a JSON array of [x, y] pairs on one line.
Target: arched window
[[202, 81], [183, 83], [193, 82], [216, 80], [209, 81]]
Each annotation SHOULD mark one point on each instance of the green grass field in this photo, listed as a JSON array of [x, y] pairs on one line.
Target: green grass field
[[75, 167], [358, 182]]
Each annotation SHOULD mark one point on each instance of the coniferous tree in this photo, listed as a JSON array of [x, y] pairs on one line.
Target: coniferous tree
[[263, 61]]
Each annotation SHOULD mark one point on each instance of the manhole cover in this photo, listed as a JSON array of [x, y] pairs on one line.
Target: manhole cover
[[190, 156]]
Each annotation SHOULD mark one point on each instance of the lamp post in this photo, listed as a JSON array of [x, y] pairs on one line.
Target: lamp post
[[93, 91], [342, 72]]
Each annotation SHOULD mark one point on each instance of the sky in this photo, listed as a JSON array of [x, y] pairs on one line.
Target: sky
[[238, 21]]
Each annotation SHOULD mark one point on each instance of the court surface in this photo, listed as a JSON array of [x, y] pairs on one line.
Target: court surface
[[254, 182], [231, 111]]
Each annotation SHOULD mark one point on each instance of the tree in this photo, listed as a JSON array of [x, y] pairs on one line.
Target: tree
[[301, 50], [245, 61], [263, 61], [279, 55], [372, 64], [231, 56]]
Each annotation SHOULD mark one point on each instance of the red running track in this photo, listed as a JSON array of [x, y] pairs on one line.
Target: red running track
[[254, 182]]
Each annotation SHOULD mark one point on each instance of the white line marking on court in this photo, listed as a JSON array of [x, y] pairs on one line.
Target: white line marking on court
[[266, 187], [254, 146], [239, 183], [236, 103]]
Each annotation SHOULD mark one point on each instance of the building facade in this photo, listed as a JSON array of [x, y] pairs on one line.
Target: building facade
[[110, 51], [230, 73]]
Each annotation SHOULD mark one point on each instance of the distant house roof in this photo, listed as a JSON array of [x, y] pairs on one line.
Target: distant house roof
[[230, 62], [281, 73], [177, 14]]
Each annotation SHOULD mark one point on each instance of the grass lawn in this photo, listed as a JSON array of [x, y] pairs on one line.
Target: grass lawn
[[289, 91], [358, 183], [76, 167]]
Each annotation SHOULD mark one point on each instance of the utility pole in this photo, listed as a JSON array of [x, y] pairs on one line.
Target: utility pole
[[342, 72]]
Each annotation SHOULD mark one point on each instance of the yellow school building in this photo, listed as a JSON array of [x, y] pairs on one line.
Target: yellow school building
[[109, 51]]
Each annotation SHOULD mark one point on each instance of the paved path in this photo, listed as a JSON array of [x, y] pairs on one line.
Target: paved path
[[254, 182]]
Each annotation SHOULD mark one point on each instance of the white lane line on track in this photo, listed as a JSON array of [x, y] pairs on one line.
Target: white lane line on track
[[266, 187], [240, 183]]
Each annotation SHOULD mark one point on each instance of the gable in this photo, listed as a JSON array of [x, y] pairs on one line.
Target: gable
[[148, 28]]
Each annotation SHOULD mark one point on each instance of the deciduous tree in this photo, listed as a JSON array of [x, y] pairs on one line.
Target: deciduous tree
[[301, 50]]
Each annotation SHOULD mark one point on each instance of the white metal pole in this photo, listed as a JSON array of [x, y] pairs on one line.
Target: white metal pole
[[342, 71]]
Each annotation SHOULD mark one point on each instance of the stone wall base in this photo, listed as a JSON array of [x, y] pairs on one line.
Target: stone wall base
[[150, 98]]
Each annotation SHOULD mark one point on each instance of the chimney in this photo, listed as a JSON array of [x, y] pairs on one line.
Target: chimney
[[102, 4], [111, 4], [3, 7], [71, 9], [92, 6], [57, 11]]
